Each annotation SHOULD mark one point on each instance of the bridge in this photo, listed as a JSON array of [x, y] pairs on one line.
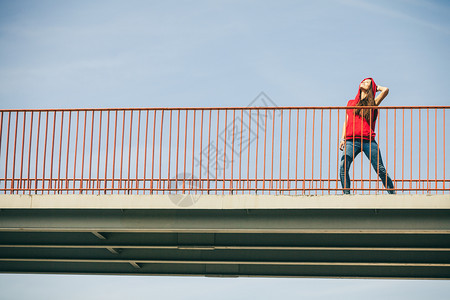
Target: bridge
[[221, 192]]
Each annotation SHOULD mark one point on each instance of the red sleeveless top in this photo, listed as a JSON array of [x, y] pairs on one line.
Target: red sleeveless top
[[357, 127]]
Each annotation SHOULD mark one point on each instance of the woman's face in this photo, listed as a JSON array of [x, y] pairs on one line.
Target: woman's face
[[365, 85]]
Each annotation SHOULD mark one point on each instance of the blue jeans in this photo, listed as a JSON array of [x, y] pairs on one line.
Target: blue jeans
[[371, 150]]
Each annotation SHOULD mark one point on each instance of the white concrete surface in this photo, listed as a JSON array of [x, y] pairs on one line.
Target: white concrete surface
[[224, 202]]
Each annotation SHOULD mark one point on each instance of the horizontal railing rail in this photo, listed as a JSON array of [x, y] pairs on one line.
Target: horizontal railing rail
[[231, 150]]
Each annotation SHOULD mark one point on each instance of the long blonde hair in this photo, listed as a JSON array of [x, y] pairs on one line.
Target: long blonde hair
[[366, 101]]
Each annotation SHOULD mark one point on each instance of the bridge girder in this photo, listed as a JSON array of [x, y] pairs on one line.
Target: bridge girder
[[273, 236]]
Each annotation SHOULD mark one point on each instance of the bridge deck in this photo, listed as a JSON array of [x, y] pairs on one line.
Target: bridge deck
[[369, 236]]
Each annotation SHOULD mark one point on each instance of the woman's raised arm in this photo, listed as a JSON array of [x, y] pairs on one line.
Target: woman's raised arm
[[384, 92]]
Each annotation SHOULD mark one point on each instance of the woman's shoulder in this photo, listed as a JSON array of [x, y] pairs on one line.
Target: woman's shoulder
[[352, 102]]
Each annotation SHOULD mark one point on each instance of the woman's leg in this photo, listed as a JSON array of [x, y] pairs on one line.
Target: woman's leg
[[351, 150], [372, 151]]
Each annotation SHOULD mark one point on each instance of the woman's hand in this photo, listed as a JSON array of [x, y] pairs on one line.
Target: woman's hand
[[342, 145]]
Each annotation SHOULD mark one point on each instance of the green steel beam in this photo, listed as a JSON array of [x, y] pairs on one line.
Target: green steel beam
[[325, 241]]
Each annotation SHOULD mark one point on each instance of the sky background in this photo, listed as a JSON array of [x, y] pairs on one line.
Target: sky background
[[73, 54], [89, 54]]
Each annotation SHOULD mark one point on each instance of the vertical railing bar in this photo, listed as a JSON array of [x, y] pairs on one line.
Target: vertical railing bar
[[312, 150], [403, 149], [90, 150], [160, 149], [82, 160], [75, 151], [296, 154], [14, 154], [185, 150], [201, 154], [107, 150], [129, 152], [23, 148], [257, 147], [329, 151], [53, 148], [395, 148], [45, 152], [443, 143], [304, 153], [170, 147], [69, 127], [232, 153], [99, 149], [346, 115], [36, 154], [353, 139], [420, 149], [265, 136], [371, 115], [29, 150], [240, 150], [145, 150], [217, 146], [209, 147], [435, 150], [281, 151], [153, 148], [273, 143], [7, 149], [248, 150], [193, 151], [114, 152], [378, 159], [121, 150], [410, 154], [289, 153], [428, 150], [362, 145], [224, 151], [176, 163], [60, 150], [137, 151], [321, 146], [337, 151], [387, 146]]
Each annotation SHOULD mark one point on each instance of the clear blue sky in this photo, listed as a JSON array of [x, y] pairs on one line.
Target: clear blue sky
[[220, 53], [74, 54]]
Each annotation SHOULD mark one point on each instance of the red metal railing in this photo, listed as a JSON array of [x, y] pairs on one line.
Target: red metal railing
[[260, 150]]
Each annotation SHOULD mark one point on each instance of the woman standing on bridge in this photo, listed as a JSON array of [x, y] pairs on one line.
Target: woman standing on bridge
[[358, 135]]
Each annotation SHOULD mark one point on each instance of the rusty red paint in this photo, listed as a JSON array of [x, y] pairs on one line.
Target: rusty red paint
[[20, 133]]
